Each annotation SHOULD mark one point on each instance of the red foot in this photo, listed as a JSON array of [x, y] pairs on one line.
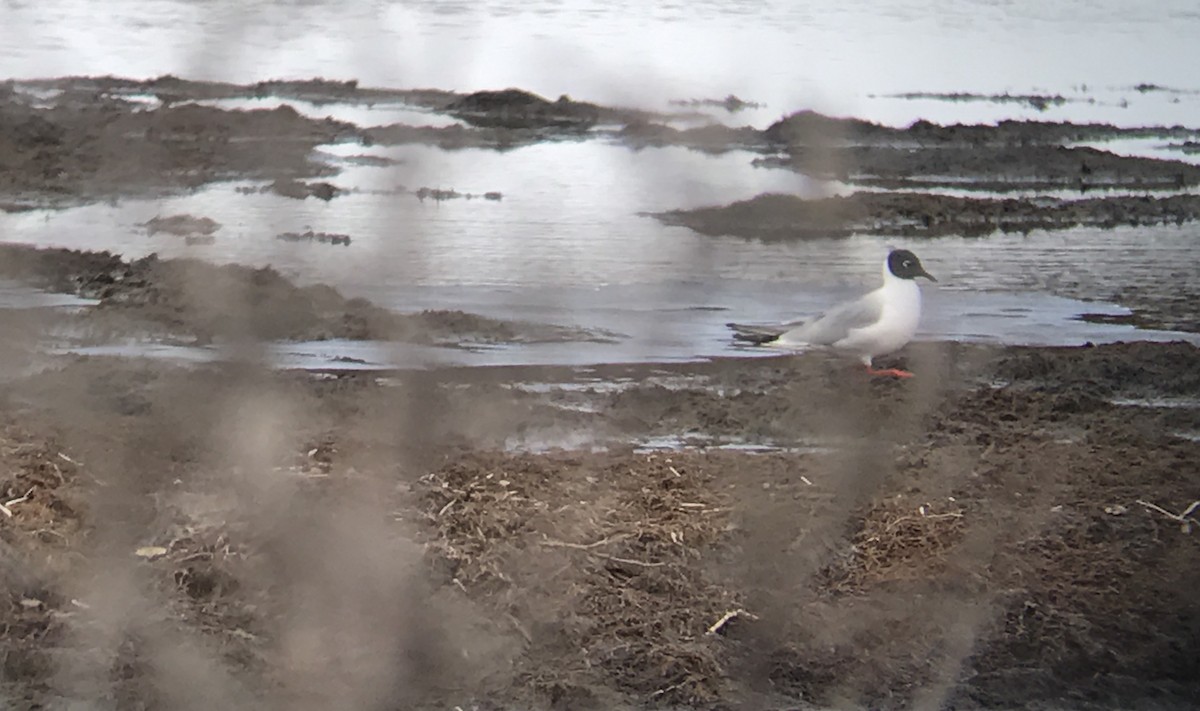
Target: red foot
[[893, 372]]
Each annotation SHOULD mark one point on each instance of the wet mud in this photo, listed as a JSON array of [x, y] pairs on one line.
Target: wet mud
[[333, 238], [90, 138], [193, 301], [990, 168], [181, 225], [788, 217], [1003, 530], [69, 153]]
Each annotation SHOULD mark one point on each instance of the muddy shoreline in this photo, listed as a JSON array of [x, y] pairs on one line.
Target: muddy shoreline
[[973, 536], [787, 217], [1157, 301], [193, 301], [71, 139]]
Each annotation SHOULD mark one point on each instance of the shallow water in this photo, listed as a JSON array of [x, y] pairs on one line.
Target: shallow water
[[652, 331], [566, 243], [1159, 403], [14, 295], [569, 216], [362, 115], [785, 54], [672, 443]]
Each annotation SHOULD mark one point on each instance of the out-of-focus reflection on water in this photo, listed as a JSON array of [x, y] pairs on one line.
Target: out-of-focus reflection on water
[[568, 215], [566, 242], [786, 54]]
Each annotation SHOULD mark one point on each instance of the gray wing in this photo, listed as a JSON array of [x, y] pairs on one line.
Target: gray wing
[[761, 333], [835, 324]]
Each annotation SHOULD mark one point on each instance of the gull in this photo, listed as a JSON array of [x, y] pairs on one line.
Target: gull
[[872, 325]]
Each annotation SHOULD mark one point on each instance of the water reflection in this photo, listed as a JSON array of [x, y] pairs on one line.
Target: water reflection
[[662, 322], [789, 55], [566, 245], [566, 242]]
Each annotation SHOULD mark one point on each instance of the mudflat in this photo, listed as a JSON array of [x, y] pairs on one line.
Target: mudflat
[[1013, 527]]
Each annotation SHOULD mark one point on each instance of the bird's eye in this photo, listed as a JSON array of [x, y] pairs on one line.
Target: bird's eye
[[907, 263]]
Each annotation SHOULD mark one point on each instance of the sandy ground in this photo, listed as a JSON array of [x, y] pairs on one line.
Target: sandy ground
[[1009, 528]]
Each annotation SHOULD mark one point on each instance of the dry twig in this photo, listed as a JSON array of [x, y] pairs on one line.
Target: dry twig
[[716, 626], [582, 546], [19, 499], [520, 627], [630, 561], [589, 548], [1185, 518]]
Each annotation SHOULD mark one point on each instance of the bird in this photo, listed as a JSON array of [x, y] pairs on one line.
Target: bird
[[875, 324]]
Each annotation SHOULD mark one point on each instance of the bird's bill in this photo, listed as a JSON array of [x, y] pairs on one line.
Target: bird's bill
[[926, 274]]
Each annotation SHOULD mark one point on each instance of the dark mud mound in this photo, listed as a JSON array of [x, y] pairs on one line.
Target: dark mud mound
[[496, 119], [517, 109], [92, 140], [108, 148], [851, 147], [1011, 155], [990, 168], [809, 127], [788, 217], [201, 302], [711, 138], [333, 238], [300, 190], [181, 225]]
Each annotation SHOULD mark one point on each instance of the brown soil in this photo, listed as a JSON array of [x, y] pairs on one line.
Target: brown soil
[[973, 537]]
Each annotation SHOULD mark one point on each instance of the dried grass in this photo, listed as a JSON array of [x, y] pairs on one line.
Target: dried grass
[[39, 528], [898, 541], [603, 572]]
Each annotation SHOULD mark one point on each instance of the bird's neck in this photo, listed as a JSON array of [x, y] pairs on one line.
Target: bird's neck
[[894, 284], [890, 279]]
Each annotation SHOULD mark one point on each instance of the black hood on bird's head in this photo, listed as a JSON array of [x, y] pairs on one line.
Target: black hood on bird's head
[[905, 265]]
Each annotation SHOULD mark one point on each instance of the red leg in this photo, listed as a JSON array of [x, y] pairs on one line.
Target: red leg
[[892, 372]]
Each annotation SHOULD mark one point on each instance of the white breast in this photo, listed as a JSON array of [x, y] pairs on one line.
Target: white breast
[[898, 321]]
